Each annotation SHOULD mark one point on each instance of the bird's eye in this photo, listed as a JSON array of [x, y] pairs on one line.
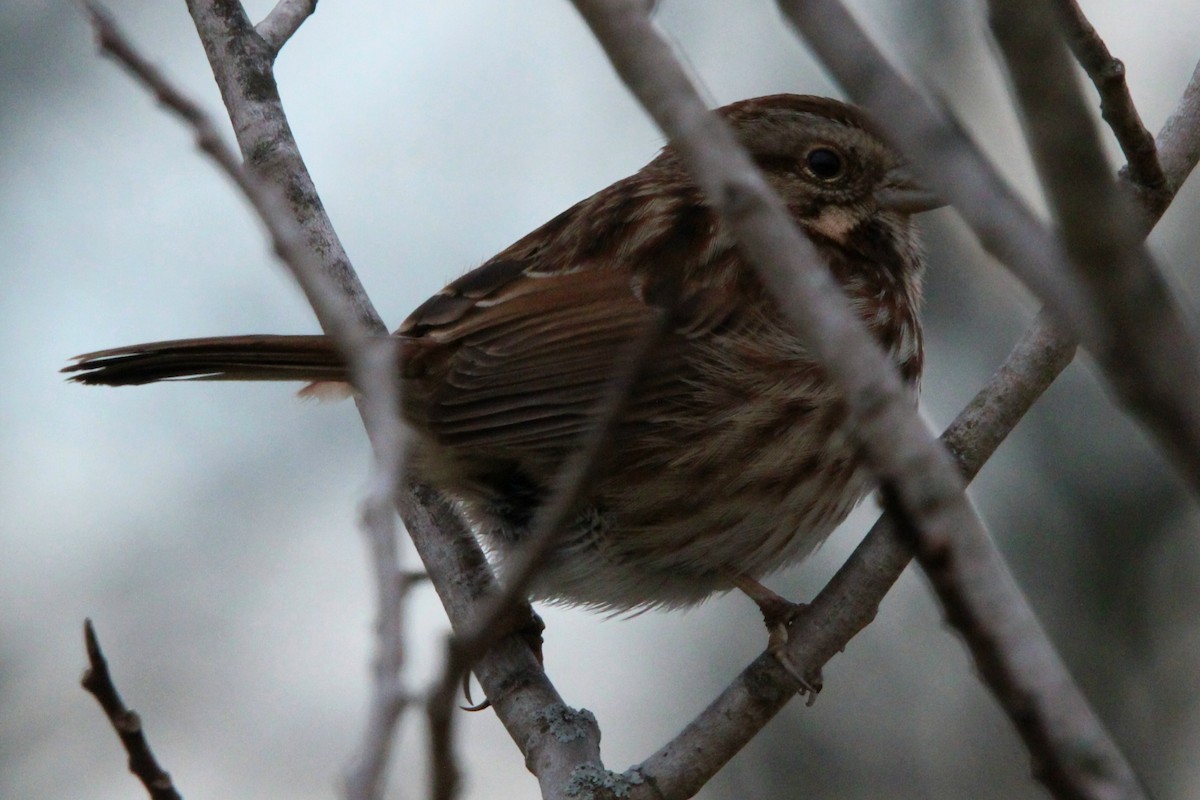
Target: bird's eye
[[824, 164]]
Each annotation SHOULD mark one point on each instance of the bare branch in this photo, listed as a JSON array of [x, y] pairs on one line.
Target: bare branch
[[372, 364], [494, 619], [515, 684], [287, 237], [1149, 355], [512, 678], [1179, 139], [284, 20], [378, 380], [552, 516], [445, 775], [1142, 363], [574, 478], [97, 680], [241, 64], [1038, 357], [1116, 103]]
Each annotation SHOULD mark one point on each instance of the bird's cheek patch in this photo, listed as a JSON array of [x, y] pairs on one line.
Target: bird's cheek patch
[[835, 222]]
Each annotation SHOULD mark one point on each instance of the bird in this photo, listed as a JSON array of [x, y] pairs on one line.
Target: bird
[[730, 457]]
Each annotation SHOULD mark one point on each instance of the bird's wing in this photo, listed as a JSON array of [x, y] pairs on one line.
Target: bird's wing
[[515, 361]]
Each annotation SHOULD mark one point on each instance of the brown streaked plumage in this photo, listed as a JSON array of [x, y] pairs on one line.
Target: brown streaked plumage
[[731, 459]]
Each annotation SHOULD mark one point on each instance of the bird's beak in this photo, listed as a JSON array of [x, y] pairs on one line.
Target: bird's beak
[[903, 194]]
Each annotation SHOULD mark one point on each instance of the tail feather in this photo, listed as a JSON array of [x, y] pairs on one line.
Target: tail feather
[[221, 358]]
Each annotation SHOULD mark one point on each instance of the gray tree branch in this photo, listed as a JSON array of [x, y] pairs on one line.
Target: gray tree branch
[[284, 20], [1179, 140], [510, 675], [1093, 303], [1147, 352], [372, 363], [495, 618], [98, 682]]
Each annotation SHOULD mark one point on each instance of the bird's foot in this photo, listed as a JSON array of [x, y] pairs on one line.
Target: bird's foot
[[525, 623], [778, 614]]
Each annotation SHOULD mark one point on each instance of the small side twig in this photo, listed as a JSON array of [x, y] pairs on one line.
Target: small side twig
[[1116, 103], [377, 379], [444, 771], [283, 21], [98, 682]]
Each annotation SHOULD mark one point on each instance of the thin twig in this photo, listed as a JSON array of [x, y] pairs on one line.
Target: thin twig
[[572, 481], [444, 771], [283, 21], [287, 238], [1116, 103], [97, 680], [378, 381], [373, 368], [242, 66], [516, 685], [1146, 349]]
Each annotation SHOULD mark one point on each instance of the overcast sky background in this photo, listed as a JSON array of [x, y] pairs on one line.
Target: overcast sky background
[[210, 530]]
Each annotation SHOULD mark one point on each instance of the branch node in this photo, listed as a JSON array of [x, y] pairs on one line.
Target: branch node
[[1107, 73], [98, 682], [283, 21], [591, 782]]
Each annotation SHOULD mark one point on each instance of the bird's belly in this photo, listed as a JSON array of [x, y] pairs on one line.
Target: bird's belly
[[745, 467], [682, 518]]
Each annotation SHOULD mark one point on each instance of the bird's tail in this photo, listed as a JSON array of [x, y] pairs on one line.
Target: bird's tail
[[219, 358]]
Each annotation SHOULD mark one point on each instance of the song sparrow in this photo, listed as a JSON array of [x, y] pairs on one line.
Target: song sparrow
[[731, 458]]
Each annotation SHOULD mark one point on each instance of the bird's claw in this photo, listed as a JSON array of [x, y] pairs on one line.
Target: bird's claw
[[529, 626]]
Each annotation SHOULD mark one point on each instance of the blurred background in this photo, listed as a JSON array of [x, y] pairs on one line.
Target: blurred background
[[210, 530]]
